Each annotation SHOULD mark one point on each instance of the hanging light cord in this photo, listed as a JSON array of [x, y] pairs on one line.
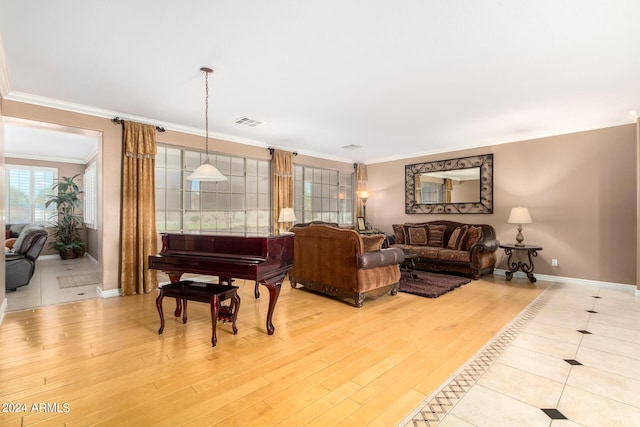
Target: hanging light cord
[[206, 72]]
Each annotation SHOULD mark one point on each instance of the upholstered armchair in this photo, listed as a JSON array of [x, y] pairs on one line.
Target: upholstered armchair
[[20, 260], [341, 262]]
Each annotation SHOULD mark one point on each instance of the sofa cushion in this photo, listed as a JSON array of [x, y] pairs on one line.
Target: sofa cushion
[[454, 255], [474, 234], [398, 232], [458, 237], [416, 235], [436, 235], [372, 242], [426, 251]]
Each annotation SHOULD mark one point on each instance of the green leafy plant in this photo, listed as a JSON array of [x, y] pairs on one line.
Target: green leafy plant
[[65, 196]]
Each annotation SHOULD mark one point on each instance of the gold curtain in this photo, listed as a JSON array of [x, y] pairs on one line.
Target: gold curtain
[[138, 231], [448, 188], [361, 185], [281, 184]]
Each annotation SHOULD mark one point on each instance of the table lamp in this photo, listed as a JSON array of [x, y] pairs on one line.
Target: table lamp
[[520, 215], [287, 215]]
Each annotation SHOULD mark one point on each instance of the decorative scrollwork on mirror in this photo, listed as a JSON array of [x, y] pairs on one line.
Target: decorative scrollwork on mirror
[[455, 186]]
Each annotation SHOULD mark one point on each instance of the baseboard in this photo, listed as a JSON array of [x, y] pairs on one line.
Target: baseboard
[[54, 256], [561, 279], [109, 293], [3, 310]]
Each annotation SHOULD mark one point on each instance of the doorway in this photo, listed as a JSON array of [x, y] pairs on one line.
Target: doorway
[[70, 151]]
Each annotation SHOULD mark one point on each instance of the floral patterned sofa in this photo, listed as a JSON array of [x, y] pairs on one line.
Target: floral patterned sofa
[[448, 246]]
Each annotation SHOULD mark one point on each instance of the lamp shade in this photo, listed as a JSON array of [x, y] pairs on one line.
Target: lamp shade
[[287, 215], [206, 172], [520, 215]]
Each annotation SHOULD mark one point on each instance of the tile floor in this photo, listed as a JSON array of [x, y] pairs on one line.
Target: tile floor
[[43, 289], [572, 358]]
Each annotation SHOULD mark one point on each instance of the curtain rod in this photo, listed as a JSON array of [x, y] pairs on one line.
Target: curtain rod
[[119, 121], [271, 150]]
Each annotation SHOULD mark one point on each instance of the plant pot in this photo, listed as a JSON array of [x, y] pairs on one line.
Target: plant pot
[[68, 254]]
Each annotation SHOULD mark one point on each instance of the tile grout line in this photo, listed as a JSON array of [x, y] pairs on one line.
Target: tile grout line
[[433, 409]]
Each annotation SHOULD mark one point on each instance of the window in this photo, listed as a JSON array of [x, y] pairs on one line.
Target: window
[[28, 188], [323, 195], [240, 204], [90, 192]]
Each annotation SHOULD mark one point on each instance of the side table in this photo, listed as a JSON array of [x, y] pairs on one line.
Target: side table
[[409, 263], [531, 250]]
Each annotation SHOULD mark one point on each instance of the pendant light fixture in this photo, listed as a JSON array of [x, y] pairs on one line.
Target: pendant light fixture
[[206, 171]]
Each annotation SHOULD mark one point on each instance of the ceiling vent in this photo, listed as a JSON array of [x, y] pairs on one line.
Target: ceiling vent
[[352, 147], [246, 121]]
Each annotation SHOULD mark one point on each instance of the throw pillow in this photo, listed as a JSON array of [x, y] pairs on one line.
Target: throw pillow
[[398, 231], [436, 235], [372, 242], [416, 235], [457, 238], [474, 234]]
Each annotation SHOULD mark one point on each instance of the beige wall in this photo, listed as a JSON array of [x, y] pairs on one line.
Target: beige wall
[[64, 169], [580, 189]]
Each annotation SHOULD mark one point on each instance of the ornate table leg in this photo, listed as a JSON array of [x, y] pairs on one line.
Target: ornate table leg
[[528, 269], [513, 267], [519, 265]]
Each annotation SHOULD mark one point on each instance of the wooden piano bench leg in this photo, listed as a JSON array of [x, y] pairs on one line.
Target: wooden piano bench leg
[[235, 304], [230, 313], [159, 306], [214, 318]]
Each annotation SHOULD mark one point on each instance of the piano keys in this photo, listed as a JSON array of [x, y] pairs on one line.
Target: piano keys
[[263, 258]]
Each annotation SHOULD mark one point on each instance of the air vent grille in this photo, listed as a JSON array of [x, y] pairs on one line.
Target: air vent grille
[[246, 121], [352, 147]]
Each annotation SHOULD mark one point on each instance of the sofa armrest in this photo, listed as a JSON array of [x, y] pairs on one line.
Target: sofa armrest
[[490, 245], [380, 258]]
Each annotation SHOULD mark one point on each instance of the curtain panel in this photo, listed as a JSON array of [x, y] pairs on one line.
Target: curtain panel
[[138, 233], [282, 184]]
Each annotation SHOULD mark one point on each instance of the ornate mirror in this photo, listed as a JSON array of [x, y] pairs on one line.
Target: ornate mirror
[[463, 185]]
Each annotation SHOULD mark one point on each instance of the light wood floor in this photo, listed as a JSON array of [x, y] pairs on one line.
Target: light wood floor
[[328, 363]]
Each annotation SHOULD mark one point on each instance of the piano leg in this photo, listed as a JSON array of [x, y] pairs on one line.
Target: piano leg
[[273, 285]]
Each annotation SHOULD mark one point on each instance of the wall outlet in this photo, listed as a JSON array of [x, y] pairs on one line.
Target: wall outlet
[[554, 262]]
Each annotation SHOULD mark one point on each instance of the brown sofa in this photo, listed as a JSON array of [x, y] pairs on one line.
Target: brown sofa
[[448, 246], [340, 262]]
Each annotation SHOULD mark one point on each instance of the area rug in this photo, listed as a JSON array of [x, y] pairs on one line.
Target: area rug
[[75, 280], [430, 285]]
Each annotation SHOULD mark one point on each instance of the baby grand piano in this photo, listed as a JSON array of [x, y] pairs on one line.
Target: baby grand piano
[[263, 258]]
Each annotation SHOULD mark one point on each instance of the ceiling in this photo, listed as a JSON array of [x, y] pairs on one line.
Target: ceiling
[[389, 79]]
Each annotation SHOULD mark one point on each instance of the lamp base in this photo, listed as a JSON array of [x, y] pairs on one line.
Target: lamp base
[[519, 237]]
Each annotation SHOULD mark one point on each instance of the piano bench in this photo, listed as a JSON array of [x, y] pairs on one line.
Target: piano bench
[[210, 293]]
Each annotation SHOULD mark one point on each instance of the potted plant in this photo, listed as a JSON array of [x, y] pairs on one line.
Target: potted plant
[[65, 222]]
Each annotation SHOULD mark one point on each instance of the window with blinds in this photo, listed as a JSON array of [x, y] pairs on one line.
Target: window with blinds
[[27, 189], [90, 193], [240, 204], [323, 195]]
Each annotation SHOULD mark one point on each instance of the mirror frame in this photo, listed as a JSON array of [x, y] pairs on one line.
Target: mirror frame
[[483, 206]]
